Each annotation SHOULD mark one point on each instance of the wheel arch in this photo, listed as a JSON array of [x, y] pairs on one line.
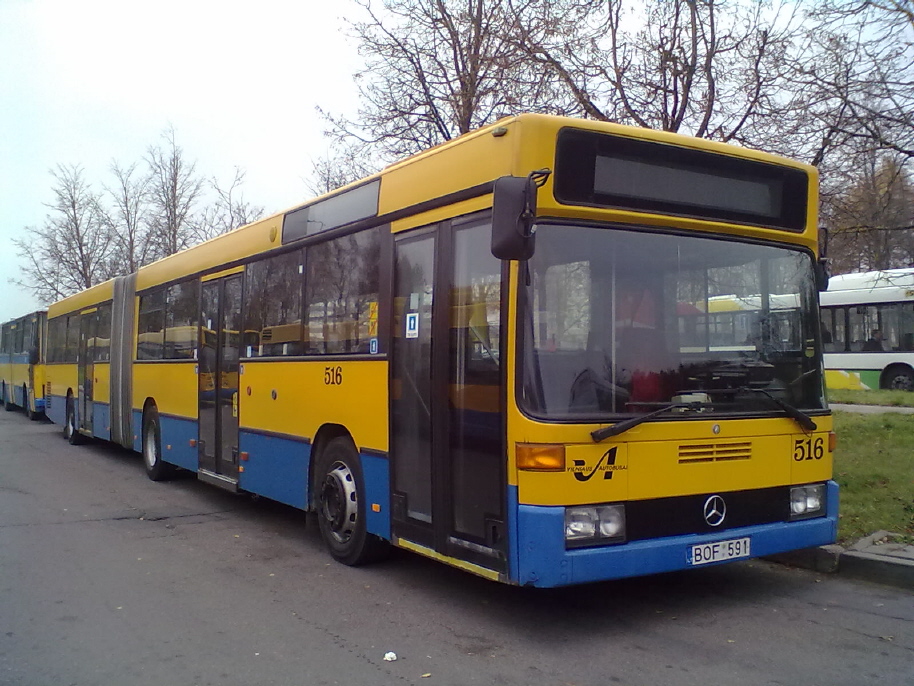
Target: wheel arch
[[324, 435], [892, 370]]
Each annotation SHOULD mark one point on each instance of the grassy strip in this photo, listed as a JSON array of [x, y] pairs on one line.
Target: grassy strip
[[891, 398], [874, 465]]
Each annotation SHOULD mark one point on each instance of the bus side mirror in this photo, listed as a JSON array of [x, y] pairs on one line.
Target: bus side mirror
[[822, 274], [513, 212]]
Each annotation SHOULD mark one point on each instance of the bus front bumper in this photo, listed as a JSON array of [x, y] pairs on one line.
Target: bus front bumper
[[542, 560]]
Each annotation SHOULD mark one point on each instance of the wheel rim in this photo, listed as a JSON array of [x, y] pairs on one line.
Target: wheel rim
[[340, 502], [150, 454], [71, 421], [902, 382]]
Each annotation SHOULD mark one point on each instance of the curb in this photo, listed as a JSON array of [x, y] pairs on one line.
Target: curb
[[874, 558]]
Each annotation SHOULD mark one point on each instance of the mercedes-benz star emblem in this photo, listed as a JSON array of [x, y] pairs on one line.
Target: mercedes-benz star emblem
[[715, 510]]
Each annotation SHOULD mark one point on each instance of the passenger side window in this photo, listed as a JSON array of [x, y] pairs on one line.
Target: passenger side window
[[151, 326], [342, 283], [272, 307]]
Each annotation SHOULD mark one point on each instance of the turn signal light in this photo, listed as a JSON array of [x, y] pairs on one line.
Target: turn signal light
[[540, 457], [832, 441]]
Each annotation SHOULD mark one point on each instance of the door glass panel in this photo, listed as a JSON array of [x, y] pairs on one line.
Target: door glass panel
[[209, 325], [228, 372], [474, 386], [411, 400], [88, 326]]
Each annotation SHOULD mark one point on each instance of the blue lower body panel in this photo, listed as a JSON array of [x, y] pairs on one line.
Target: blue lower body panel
[[543, 560], [276, 468], [56, 409], [179, 441], [376, 472], [101, 421]]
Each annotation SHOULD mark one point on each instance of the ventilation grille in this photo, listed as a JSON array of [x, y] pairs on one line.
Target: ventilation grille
[[714, 452]]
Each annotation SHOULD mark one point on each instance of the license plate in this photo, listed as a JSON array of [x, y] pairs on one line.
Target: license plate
[[718, 552]]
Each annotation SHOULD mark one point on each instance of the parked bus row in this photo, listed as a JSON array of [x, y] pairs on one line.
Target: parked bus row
[[22, 364], [503, 353]]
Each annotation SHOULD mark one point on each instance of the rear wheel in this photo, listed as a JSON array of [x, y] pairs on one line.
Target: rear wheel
[[70, 432], [156, 468], [899, 378], [7, 404], [31, 414], [340, 490]]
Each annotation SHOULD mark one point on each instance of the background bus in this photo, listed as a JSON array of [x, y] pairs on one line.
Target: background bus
[[407, 358], [22, 363], [868, 325]]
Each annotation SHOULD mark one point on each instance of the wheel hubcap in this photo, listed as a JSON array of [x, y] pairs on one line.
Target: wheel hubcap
[[339, 502], [149, 449]]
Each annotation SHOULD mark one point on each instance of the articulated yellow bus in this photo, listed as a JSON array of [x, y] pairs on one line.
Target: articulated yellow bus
[[499, 353], [22, 364]]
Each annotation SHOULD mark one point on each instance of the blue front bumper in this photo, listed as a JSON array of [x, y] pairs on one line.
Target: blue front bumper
[[541, 558]]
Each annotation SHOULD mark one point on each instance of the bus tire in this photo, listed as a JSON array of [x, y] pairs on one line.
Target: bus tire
[[899, 377], [7, 404], [31, 414], [339, 489], [70, 430], [156, 468]]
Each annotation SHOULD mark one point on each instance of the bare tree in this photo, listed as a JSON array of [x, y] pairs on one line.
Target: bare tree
[[859, 73], [435, 69], [872, 221], [70, 251], [709, 68], [343, 164], [230, 210], [174, 192], [127, 219]]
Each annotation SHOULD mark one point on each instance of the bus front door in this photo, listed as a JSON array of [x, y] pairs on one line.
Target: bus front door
[[88, 327], [448, 468], [220, 328]]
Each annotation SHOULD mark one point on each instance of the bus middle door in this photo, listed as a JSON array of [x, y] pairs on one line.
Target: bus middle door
[[220, 331], [88, 330]]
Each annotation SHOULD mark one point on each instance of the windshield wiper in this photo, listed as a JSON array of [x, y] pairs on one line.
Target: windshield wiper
[[800, 417], [621, 427]]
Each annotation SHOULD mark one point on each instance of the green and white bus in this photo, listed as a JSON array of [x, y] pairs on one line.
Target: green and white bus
[[868, 330]]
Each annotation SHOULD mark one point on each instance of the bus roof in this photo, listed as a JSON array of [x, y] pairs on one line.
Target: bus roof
[[889, 285], [514, 145]]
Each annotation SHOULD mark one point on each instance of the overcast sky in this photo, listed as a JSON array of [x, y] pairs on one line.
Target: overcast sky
[[91, 81]]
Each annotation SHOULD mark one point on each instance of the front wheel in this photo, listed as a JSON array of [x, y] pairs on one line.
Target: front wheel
[[340, 490], [156, 468], [7, 403]]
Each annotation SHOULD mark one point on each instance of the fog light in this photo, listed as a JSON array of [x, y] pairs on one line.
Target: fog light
[[612, 521], [580, 523], [807, 501]]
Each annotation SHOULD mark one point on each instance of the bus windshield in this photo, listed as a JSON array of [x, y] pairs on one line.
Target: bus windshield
[[627, 322]]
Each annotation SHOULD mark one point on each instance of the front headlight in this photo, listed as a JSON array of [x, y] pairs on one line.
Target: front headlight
[[807, 501], [594, 525]]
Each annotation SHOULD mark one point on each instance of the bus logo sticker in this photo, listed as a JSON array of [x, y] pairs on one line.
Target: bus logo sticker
[[412, 325], [715, 510], [580, 469]]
